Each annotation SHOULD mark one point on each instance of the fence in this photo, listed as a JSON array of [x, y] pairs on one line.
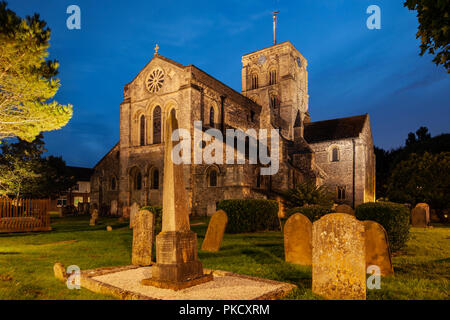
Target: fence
[[24, 215]]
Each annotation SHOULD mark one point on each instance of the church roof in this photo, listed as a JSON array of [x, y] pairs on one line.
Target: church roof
[[335, 129], [219, 86]]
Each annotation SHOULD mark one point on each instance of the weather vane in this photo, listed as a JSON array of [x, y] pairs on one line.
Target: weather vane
[[275, 26]]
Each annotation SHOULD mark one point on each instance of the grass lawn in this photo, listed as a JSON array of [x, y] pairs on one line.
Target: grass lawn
[[422, 270]]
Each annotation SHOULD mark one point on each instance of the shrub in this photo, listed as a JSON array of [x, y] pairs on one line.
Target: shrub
[[308, 194], [313, 213], [250, 215], [157, 211], [394, 217]]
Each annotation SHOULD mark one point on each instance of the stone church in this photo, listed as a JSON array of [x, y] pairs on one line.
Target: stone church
[[337, 153]]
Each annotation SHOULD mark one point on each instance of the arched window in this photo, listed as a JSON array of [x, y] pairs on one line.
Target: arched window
[[211, 117], [157, 125], [273, 77], [142, 130], [113, 183], [335, 154], [254, 81], [341, 193], [258, 179], [274, 102], [213, 178], [138, 181], [155, 179]]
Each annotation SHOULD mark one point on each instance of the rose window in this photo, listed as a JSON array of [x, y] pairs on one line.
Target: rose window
[[155, 80]]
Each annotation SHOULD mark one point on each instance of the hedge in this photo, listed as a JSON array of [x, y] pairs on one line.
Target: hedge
[[312, 212], [250, 215], [394, 217]]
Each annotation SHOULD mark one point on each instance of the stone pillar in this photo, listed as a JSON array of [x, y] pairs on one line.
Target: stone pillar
[[177, 265]]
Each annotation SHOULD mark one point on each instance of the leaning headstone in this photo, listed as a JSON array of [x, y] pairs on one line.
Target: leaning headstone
[[59, 271], [216, 229], [339, 257], [94, 217], [133, 210], [345, 208], [377, 247], [143, 231], [297, 240], [420, 215]]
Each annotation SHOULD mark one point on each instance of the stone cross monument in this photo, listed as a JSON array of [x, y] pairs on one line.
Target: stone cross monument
[[177, 265]]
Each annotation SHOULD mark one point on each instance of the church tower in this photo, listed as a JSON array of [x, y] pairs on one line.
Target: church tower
[[276, 78]]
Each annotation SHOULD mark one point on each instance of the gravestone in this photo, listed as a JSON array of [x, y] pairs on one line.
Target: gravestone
[[143, 231], [210, 208], [133, 210], [216, 229], [59, 271], [108, 228], [420, 215], [339, 257], [344, 208], [94, 217], [377, 247], [297, 240], [113, 209], [177, 266]]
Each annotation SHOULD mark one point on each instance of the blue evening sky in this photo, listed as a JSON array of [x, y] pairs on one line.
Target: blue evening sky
[[352, 70]]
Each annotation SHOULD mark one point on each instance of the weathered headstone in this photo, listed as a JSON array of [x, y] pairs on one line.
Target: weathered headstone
[[345, 208], [339, 257], [177, 265], [210, 208], [59, 271], [143, 231], [297, 240], [420, 215], [377, 247], [94, 217], [216, 229], [113, 209], [133, 210]]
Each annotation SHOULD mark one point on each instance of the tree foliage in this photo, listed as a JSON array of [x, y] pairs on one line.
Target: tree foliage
[[434, 33], [23, 170], [27, 79], [422, 178], [419, 142], [307, 194]]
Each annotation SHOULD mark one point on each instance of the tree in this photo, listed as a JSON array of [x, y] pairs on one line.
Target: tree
[[20, 164], [307, 194], [434, 33], [24, 171], [16, 176], [55, 177], [418, 143], [27, 79], [422, 178]]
